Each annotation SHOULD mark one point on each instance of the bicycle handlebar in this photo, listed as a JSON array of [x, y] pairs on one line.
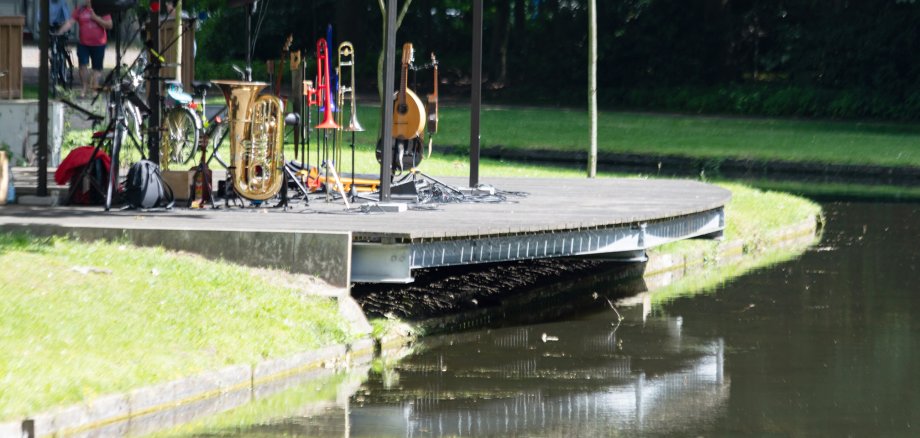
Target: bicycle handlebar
[[89, 114]]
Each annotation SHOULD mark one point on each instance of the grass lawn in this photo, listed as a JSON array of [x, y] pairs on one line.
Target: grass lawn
[[887, 144], [837, 142], [85, 319], [707, 137]]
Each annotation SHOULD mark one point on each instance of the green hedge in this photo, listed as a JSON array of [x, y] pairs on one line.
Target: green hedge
[[771, 100]]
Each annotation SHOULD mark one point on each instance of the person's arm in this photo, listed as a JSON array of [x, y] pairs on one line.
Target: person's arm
[[105, 22], [65, 27]]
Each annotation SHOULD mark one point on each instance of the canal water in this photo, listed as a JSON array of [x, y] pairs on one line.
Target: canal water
[[825, 344]]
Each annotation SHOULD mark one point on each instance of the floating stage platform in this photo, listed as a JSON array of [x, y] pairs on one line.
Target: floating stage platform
[[616, 219]]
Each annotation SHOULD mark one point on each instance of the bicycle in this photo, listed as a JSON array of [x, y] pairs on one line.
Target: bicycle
[[135, 113], [61, 73], [126, 109], [184, 125]]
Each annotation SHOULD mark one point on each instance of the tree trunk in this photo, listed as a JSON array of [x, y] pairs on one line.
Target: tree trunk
[[499, 44], [517, 36], [592, 86], [501, 17], [520, 17]]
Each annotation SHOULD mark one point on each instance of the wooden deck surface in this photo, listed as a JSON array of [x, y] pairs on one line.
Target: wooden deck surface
[[551, 205]]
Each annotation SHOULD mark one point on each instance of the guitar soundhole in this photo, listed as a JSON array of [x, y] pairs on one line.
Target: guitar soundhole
[[402, 108]]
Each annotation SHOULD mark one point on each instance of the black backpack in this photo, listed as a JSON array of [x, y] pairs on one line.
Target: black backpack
[[145, 188]]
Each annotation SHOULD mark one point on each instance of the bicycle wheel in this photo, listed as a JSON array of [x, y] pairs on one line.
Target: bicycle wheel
[[111, 190], [216, 136], [132, 149], [67, 67], [54, 72], [181, 139]]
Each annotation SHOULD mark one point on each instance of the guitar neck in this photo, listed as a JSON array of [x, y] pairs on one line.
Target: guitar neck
[[435, 94], [403, 84]]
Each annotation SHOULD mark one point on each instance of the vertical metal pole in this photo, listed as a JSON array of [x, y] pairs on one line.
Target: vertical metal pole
[[179, 42], [592, 88], [249, 9], [476, 93], [153, 93], [389, 73], [43, 100]]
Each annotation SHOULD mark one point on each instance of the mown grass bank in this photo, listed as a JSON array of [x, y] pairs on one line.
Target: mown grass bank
[[648, 134], [796, 140], [81, 319]]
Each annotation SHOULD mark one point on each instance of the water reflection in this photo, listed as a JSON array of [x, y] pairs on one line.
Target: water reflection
[[592, 381], [597, 378], [827, 344]]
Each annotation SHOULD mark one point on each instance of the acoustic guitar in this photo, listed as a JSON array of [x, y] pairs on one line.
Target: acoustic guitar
[[408, 111]]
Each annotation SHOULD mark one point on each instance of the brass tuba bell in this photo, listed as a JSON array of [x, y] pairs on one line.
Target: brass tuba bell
[[256, 139]]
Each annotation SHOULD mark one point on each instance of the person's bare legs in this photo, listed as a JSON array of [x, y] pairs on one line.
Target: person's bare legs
[[84, 79], [94, 81]]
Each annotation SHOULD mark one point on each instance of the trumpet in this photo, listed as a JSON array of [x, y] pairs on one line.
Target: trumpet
[[347, 61]]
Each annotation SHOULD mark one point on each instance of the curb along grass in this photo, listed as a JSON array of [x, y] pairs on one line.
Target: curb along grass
[[83, 320]]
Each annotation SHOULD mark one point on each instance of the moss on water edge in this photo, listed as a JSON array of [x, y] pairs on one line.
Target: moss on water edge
[[82, 320]]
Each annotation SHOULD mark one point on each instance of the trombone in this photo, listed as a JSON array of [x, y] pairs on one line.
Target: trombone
[[346, 61]]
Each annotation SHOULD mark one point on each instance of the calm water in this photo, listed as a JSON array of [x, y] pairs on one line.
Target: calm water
[[827, 344]]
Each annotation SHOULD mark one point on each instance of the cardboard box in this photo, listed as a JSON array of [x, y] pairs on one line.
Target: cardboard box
[[180, 182]]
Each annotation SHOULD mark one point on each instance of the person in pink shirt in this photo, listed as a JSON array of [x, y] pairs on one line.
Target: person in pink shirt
[[93, 38]]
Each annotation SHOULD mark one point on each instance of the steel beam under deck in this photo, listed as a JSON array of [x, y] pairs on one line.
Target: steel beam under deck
[[393, 263]]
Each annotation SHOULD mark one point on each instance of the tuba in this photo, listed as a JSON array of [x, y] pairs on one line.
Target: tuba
[[256, 139]]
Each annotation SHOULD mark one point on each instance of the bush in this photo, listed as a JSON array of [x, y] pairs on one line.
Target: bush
[[207, 70], [771, 100]]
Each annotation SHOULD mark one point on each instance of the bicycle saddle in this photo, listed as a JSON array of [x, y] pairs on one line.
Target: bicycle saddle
[[200, 86], [177, 94]]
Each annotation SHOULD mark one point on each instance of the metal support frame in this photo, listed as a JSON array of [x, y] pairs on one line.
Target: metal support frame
[[476, 93], [393, 263], [43, 74], [249, 11], [153, 90], [389, 78]]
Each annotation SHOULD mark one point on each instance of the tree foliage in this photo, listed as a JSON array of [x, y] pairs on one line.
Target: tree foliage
[[537, 49]]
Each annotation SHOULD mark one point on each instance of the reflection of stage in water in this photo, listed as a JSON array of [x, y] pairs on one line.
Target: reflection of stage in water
[[595, 380], [598, 378]]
